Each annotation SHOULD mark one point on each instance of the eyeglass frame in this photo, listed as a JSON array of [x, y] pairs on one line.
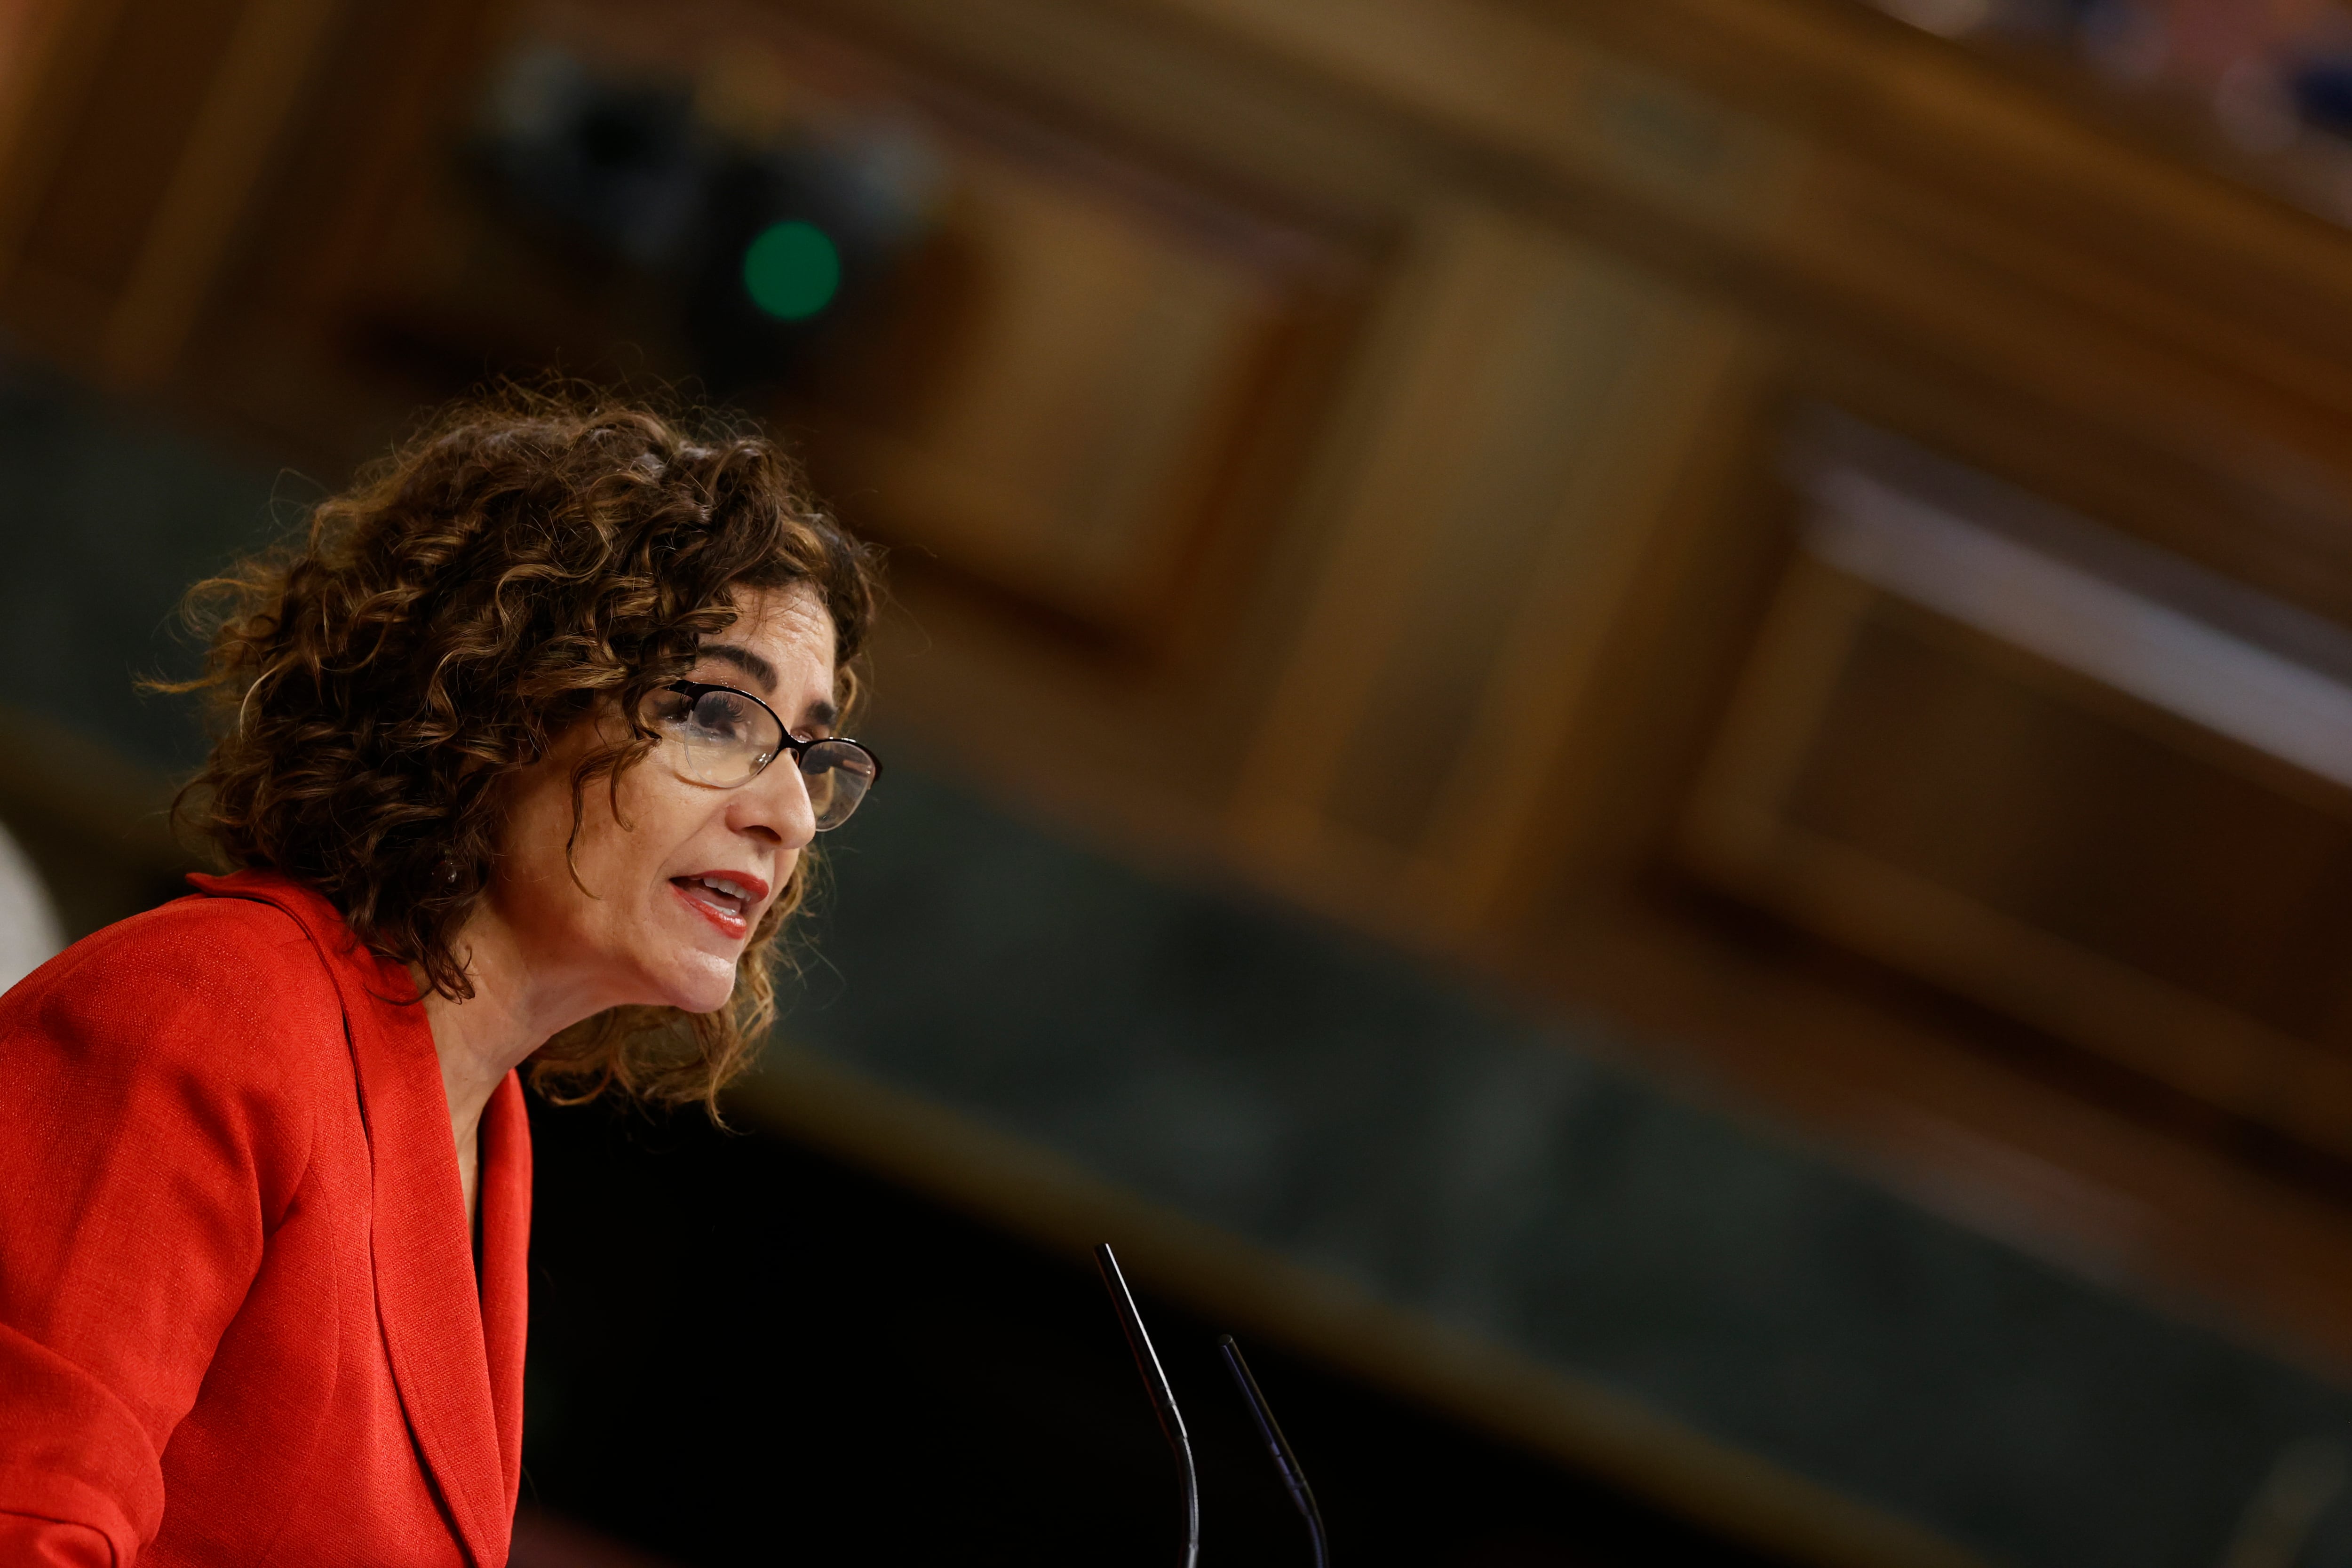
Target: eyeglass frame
[[694, 691]]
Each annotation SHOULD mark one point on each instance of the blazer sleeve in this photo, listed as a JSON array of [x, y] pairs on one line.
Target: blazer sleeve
[[149, 1144]]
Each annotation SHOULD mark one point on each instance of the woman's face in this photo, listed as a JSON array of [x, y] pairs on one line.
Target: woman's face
[[677, 882]]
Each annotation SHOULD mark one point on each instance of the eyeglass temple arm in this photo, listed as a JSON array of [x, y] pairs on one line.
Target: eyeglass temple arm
[[1277, 1446], [1163, 1398]]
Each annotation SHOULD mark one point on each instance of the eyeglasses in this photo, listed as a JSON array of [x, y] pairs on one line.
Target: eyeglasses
[[1171, 1421], [722, 737]]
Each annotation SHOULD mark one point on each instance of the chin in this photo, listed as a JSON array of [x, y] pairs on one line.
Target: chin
[[702, 985]]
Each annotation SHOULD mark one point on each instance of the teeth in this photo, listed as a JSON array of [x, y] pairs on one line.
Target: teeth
[[720, 884]]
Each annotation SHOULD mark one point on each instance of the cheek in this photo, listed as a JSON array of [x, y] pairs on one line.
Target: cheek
[[531, 843], [541, 851], [658, 815]]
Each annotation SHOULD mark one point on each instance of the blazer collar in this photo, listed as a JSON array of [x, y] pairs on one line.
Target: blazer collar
[[456, 1348], [505, 1194]]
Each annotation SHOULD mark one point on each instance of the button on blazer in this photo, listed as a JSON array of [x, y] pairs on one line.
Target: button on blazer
[[240, 1321]]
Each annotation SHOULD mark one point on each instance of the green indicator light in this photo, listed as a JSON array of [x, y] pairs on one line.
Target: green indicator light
[[792, 270]]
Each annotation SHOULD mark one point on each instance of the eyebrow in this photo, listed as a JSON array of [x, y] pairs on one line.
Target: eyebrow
[[744, 659], [821, 714]]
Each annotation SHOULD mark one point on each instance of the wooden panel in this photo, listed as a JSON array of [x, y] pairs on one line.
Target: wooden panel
[[1542, 403], [1927, 229], [141, 164], [92, 222], [1108, 365], [2119, 840], [2085, 859], [1500, 73], [27, 37]]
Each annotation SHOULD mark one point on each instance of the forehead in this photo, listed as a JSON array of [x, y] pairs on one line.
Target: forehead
[[791, 629], [793, 612]]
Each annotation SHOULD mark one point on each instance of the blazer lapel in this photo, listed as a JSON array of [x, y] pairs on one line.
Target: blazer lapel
[[506, 1268], [425, 1284]]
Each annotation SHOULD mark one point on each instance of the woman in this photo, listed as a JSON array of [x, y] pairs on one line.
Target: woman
[[493, 776]]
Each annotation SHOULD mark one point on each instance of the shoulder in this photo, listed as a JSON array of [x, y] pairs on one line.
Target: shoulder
[[172, 1082], [216, 976]]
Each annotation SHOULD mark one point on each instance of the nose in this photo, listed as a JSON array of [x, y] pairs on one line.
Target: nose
[[775, 805]]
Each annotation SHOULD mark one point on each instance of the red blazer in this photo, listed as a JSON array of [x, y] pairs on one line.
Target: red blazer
[[239, 1321]]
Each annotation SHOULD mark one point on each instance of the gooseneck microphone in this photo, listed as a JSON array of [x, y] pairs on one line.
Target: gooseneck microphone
[[1163, 1398], [1277, 1446]]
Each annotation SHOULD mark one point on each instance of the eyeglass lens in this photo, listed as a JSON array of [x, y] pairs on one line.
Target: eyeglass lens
[[724, 738], [839, 773]]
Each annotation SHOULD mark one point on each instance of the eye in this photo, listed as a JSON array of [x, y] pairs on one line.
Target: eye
[[667, 710], [722, 716]]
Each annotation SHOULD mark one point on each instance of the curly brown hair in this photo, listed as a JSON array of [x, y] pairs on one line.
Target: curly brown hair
[[522, 560]]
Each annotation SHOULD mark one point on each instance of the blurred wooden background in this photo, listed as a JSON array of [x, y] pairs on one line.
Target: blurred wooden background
[[1453, 464]]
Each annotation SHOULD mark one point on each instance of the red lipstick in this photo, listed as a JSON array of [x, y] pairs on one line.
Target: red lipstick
[[728, 900]]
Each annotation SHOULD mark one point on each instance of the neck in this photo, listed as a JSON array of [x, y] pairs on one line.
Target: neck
[[480, 1040]]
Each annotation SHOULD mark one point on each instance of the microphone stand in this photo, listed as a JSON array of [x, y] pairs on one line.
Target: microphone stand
[[1285, 1462], [1164, 1400]]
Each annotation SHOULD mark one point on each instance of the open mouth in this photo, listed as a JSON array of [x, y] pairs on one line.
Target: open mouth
[[727, 903]]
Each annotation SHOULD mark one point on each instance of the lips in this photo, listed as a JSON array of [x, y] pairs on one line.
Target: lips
[[726, 899]]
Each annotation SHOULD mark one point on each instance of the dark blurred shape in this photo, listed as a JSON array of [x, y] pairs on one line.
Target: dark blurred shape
[[760, 244], [618, 165], [2323, 93], [2280, 1522], [741, 1349]]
